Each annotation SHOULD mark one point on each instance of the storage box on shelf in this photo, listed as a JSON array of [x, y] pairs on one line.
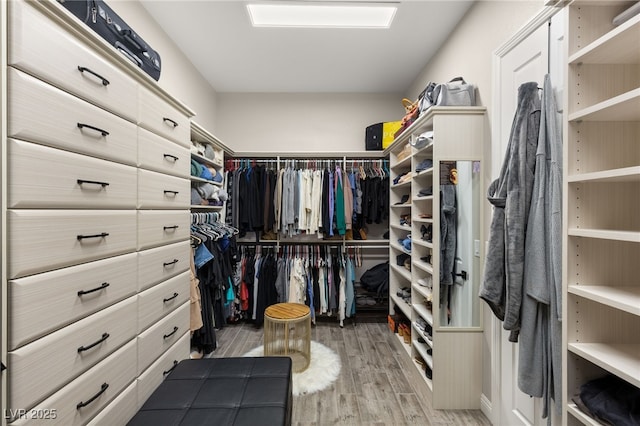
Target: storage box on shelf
[[601, 300], [445, 356]]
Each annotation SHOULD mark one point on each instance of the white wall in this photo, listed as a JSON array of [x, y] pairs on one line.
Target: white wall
[[178, 76], [267, 122], [468, 50]]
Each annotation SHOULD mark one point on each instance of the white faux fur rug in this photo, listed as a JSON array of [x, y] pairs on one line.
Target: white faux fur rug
[[323, 369]]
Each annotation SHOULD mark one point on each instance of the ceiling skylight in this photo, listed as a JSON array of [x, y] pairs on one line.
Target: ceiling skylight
[[322, 15]]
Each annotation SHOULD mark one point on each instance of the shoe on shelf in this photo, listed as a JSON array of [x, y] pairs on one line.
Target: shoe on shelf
[[403, 200], [424, 165], [404, 292], [425, 192], [426, 282], [428, 373], [407, 264], [402, 258], [426, 232]]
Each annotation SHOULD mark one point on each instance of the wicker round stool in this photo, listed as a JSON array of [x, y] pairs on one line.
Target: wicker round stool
[[287, 332]]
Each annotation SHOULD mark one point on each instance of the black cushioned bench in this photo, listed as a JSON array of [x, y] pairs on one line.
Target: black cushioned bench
[[220, 392]]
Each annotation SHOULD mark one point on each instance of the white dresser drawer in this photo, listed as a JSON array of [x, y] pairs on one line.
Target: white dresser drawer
[[83, 398], [157, 115], [154, 341], [43, 177], [158, 264], [161, 155], [157, 228], [44, 366], [41, 47], [151, 378], [40, 113], [43, 240], [120, 410], [161, 299], [159, 191], [43, 303]]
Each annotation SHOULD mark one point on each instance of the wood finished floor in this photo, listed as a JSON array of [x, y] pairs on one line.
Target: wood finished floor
[[378, 384]]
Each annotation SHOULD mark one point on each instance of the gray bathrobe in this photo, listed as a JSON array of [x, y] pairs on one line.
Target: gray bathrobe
[[540, 354], [510, 195]]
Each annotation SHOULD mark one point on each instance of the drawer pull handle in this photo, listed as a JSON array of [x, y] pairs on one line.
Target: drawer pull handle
[[170, 227], [166, 336], [94, 397], [102, 286], [170, 298], [97, 129], [92, 182], [170, 121], [175, 362], [105, 82], [104, 337], [174, 193], [172, 157], [102, 235], [170, 263]]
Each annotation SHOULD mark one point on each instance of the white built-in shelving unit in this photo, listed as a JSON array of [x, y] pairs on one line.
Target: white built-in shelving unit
[[451, 353], [601, 245], [202, 136]]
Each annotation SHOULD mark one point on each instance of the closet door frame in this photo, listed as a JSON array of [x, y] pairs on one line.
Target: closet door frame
[[493, 407]]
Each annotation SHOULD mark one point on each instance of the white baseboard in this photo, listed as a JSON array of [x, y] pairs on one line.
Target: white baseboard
[[485, 407]]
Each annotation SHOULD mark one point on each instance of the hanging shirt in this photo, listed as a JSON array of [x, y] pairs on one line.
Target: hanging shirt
[[331, 204], [339, 197]]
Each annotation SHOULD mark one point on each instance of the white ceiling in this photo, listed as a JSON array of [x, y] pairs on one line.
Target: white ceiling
[[233, 56]]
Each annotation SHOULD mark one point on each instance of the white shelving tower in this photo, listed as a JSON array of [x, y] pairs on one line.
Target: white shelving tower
[[601, 243]]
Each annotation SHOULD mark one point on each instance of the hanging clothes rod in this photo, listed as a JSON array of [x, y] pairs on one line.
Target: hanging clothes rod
[[364, 246]]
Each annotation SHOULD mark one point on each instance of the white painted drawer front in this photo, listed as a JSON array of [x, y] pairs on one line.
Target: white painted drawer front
[[158, 264], [43, 303], [41, 47], [156, 228], [41, 113], [120, 410], [159, 191], [161, 336], [154, 375], [43, 177], [104, 382], [161, 155], [161, 299], [157, 115], [40, 368], [43, 240]]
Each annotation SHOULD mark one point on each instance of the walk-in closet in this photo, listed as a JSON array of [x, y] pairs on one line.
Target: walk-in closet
[[297, 213]]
